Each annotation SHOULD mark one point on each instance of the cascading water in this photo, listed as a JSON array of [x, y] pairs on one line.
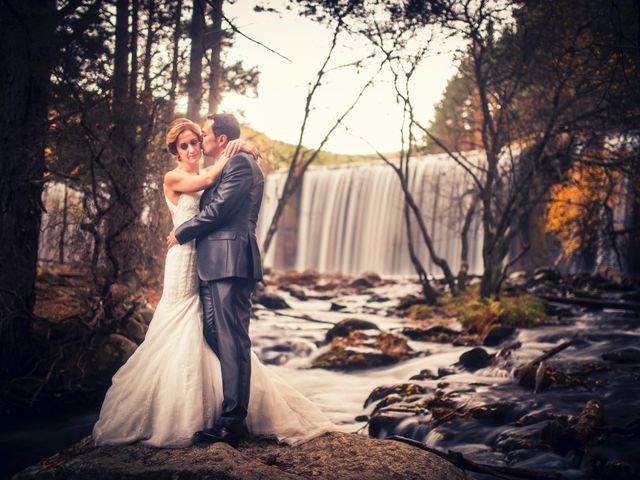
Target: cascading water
[[351, 218]]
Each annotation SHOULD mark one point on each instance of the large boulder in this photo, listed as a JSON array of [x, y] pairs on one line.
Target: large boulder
[[330, 456], [112, 351], [346, 326], [497, 335], [362, 350], [272, 301], [475, 358]]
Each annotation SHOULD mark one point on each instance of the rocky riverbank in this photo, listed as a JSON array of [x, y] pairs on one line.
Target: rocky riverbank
[[331, 456]]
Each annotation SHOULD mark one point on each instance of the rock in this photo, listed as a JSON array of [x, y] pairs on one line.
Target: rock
[[409, 300], [623, 355], [336, 307], [383, 424], [526, 375], [475, 358], [330, 456], [146, 314], [546, 275], [400, 389], [444, 372], [436, 333], [111, 353], [272, 301], [298, 294], [361, 283], [135, 330], [559, 435], [346, 326], [497, 335], [424, 374], [492, 411], [378, 298], [361, 350], [517, 439]]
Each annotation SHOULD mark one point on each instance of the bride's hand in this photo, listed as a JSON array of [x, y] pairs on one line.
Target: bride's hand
[[235, 146]]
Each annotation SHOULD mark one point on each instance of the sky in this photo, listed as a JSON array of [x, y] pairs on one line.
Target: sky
[[278, 108]]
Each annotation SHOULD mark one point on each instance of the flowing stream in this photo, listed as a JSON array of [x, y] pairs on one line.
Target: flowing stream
[[289, 345]]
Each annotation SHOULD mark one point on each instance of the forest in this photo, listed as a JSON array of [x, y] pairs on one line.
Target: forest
[[506, 226]]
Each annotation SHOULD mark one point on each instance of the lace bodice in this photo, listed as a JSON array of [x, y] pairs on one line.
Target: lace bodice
[[180, 273], [188, 206]]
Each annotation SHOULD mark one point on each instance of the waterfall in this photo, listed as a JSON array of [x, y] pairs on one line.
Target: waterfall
[[351, 218]]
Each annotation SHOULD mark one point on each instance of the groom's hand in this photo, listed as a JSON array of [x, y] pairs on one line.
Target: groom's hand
[[172, 241]]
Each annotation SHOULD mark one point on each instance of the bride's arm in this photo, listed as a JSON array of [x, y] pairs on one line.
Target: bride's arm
[[183, 182], [235, 146]]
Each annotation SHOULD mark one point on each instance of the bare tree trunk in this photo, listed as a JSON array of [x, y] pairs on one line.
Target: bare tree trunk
[[27, 52], [427, 291], [464, 254], [215, 70], [133, 81], [194, 79], [299, 161], [63, 229], [121, 64], [146, 72], [177, 32]]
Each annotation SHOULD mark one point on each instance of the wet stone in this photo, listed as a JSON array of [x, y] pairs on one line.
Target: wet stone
[[623, 355], [346, 326], [437, 333], [272, 301], [475, 358], [497, 335], [425, 374], [400, 389], [336, 307]]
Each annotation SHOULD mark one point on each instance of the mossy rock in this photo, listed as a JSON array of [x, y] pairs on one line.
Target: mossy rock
[[344, 327], [401, 390], [420, 312], [523, 311]]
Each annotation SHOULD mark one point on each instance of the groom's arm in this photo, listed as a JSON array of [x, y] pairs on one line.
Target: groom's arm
[[231, 192]]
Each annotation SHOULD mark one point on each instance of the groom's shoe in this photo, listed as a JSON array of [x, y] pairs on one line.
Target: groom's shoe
[[221, 434]]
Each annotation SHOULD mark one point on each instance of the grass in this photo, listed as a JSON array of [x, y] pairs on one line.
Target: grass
[[476, 313]]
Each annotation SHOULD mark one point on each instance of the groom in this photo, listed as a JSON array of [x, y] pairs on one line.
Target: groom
[[228, 262]]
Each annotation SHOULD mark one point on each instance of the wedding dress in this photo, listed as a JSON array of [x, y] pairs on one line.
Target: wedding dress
[[171, 386]]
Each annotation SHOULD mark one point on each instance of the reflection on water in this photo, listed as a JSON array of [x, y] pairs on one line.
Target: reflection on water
[[27, 442]]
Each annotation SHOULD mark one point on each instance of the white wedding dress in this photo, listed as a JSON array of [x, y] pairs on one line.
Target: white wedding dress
[[171, 386]]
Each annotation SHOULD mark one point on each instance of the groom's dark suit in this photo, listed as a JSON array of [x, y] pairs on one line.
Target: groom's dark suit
[[228, 261]]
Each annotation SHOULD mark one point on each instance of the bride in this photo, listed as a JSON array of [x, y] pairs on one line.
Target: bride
[[171, 387]]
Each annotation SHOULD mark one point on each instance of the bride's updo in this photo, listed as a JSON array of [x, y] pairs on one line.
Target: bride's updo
[[176, 127]]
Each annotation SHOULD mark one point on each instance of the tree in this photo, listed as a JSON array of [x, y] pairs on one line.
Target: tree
[[30, 39], [194, 78]]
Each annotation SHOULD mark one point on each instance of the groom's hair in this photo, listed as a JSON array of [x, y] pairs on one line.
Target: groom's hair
[[225, 124]]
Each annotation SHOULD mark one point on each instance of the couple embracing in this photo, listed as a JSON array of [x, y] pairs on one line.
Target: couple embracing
[[195, 378]]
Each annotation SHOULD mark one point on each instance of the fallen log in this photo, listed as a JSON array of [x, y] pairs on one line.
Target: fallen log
[[597, 303], [551, 353], [459, 460]]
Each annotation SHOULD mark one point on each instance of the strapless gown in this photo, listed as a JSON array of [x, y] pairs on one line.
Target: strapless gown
[[171, 386]]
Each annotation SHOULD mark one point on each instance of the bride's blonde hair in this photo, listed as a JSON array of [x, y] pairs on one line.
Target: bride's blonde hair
[[176, 127]]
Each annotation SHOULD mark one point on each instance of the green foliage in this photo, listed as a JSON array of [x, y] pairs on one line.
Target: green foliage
[[523, 311], [279, 153], [420, 312]]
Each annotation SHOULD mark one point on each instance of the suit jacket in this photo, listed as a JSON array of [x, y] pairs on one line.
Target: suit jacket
[[225, 228]]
